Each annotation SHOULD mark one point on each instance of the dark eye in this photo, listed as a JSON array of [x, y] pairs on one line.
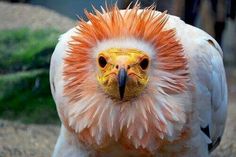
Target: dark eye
[[102, 61], [144, 63]]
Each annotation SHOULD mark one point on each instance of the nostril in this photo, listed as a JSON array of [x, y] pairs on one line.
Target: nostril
[[117, 66]]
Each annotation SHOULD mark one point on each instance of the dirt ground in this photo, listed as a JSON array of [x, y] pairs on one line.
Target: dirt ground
[[35, 17], [19, 140]]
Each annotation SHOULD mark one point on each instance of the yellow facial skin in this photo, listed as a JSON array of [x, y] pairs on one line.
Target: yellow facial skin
[[134, 62]]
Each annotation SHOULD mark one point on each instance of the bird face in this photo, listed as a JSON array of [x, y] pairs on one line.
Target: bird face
[[123, 73]]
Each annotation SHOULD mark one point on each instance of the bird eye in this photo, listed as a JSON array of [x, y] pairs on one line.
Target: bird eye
[[102, 61], [144, 63]]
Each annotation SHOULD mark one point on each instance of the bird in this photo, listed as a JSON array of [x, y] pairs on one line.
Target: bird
[[137, 82]]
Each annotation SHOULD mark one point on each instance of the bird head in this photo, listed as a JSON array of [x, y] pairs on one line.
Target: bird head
[[123, 72]]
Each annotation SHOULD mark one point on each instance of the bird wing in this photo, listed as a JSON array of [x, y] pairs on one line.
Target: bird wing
[[208, 75], [218, 94]]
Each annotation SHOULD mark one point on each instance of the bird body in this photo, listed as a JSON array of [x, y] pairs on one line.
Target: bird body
[[138, 83]]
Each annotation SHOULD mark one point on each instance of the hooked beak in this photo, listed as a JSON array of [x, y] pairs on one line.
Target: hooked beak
[[122, 76]]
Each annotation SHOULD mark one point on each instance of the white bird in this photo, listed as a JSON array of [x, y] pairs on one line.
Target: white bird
[[138, 82]]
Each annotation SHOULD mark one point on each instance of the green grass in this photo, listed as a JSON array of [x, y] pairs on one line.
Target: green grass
[[23, 49], [24, 81]]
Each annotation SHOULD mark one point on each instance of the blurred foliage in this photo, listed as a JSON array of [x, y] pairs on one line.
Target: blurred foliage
[[23, 49], [24, 81]]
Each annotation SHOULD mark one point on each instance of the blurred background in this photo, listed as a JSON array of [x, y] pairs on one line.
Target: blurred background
[[29, 30]]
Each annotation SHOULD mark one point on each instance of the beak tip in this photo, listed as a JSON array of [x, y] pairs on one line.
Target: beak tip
[[121, 95]]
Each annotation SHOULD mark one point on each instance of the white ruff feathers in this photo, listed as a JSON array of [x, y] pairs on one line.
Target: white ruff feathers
[[124, 43], [142, 122]]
